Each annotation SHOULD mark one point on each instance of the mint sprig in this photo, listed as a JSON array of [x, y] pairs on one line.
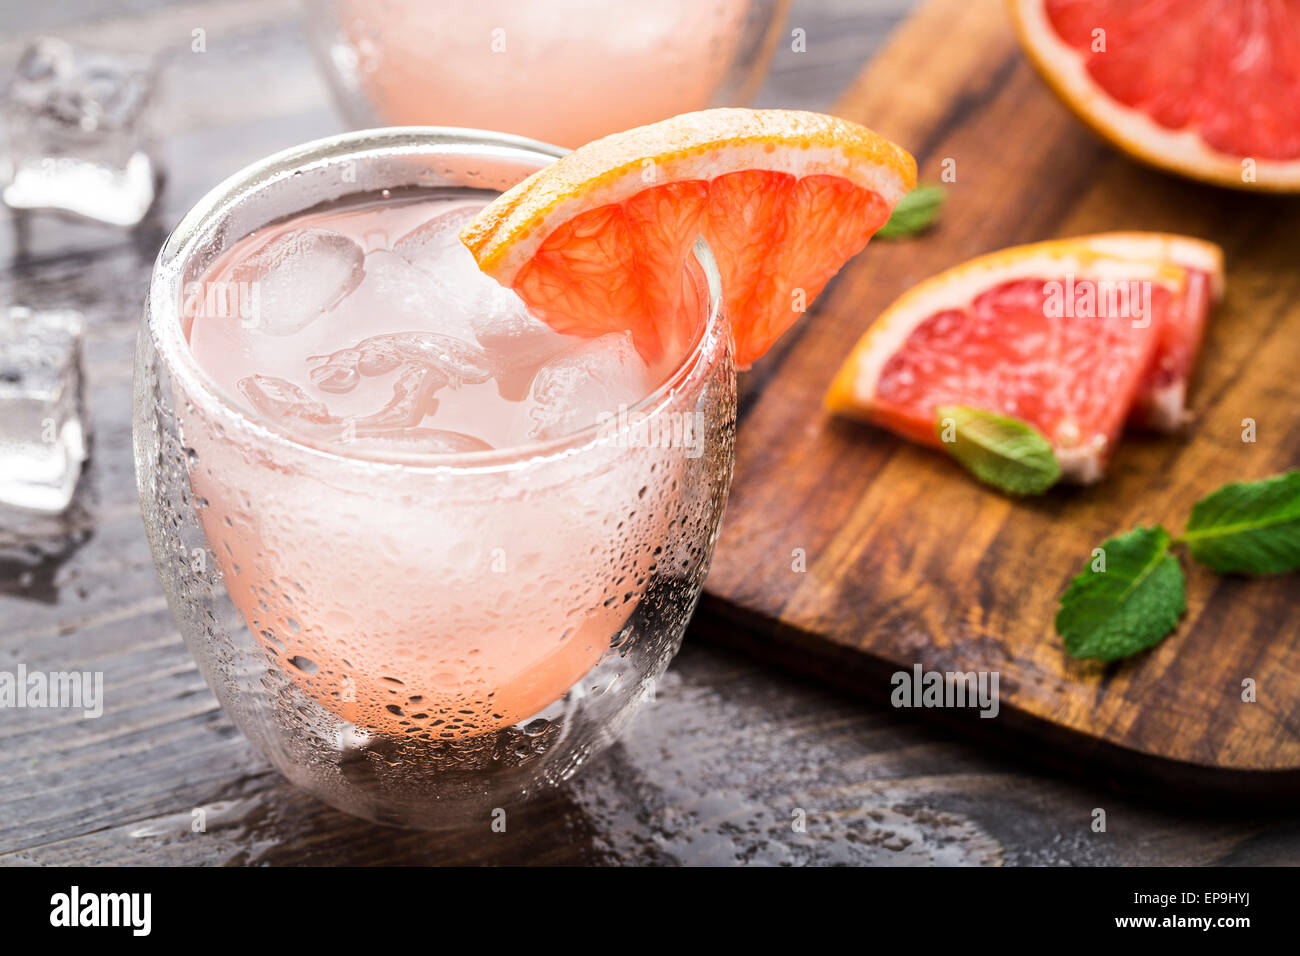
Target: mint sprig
[[1128, 598], [1248, 527], [915, 213], [1004, 452], [1131, 595]]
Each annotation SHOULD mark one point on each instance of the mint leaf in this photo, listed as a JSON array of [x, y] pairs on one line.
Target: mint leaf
[[914, 213], [1004, 452], [1251, 527], [1131, 605]]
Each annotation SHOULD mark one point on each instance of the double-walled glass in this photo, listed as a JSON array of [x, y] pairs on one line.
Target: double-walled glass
[[419, 640]]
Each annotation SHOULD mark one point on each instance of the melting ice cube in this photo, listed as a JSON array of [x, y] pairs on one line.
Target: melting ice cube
[[297, 277], [517, 342], [516, 339], [284, 402], [413, 398], [77, 137], [497, 317], [458, 361], [397, 297], [584, 384], [434, 247], [42, 442]]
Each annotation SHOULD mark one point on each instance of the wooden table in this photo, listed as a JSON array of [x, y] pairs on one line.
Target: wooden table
[[712, 772]]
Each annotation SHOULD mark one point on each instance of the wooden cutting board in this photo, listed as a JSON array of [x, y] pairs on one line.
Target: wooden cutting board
[[909, 561]]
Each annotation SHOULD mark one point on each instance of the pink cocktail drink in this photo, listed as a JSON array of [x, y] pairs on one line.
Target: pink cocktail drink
[[427, 552], [370, 330]]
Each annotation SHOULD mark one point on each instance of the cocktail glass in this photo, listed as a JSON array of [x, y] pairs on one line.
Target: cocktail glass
[[565, 71], [420, 640]]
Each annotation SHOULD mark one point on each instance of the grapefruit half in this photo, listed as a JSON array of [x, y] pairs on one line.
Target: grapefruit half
[[1206, 88], [1070, 335], [597, 241]]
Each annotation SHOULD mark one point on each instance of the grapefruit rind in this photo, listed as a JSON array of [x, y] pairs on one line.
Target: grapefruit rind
[[1064, 69], [1161, 258], [693, 146]]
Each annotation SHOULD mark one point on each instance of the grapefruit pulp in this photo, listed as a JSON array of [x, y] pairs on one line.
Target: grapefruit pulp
[[597, 241], [1071, 336], [1206, 88]]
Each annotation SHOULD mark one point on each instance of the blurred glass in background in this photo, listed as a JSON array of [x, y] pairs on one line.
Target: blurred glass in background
[[563, 72]]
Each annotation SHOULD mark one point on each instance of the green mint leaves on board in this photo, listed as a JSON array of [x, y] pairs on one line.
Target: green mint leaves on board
[[1249, 527], [1003, 452], [1131, 595], [914, 214], [1128, 598]]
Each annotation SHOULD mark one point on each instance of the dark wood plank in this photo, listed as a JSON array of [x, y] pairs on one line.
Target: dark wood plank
[[710, 773], [909, 561]]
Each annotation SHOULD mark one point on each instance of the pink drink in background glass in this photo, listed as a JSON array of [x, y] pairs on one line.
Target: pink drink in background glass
[[564, 71], [368, 329]]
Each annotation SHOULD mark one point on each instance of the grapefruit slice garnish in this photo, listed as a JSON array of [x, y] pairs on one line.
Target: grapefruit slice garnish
[[1199, 87], [597, 241], [1069, 336]]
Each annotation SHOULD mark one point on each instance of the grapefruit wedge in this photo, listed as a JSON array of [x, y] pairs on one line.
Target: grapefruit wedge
[[597, 241], [1206, 88], [1071, 336]]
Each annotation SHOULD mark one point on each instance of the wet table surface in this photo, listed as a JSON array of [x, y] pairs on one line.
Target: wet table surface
[[714, 771]]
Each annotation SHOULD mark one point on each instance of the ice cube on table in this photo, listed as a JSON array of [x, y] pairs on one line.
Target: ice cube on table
[[583, 385], [42, 438], [76, 133], [294, 279]]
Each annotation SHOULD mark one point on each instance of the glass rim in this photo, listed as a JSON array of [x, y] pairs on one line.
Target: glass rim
[[163, 309]]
